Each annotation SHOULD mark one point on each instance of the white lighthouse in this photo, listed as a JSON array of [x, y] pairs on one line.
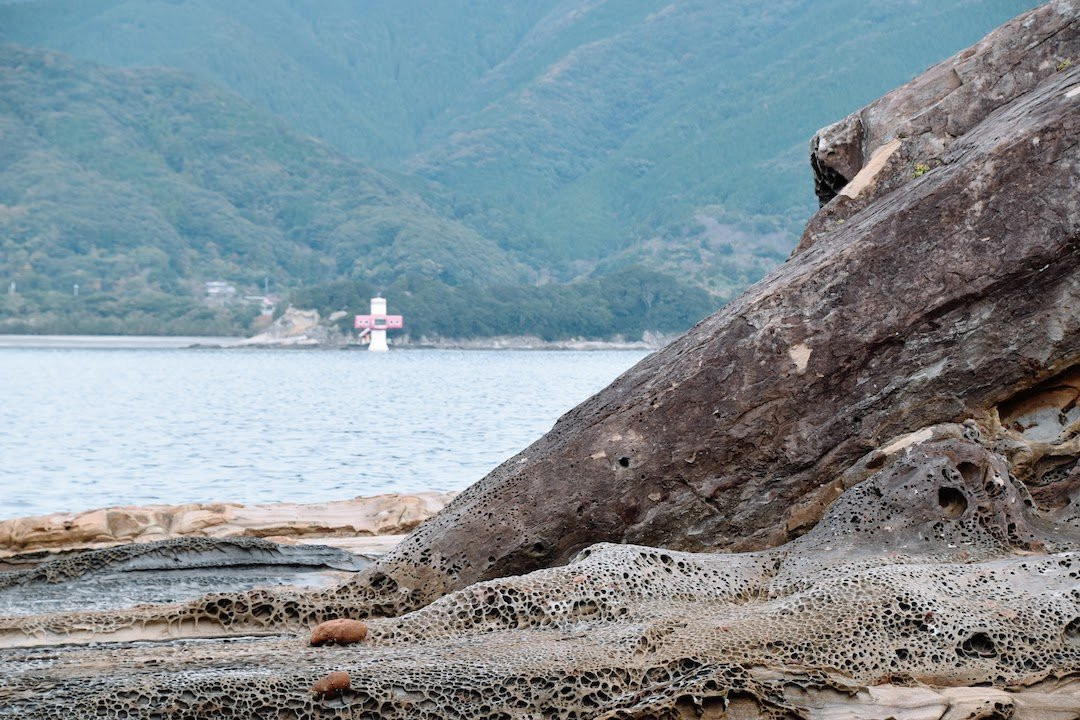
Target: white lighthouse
[[377, 323]]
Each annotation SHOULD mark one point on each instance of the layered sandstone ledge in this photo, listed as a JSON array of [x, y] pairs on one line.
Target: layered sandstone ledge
[[370, 524]]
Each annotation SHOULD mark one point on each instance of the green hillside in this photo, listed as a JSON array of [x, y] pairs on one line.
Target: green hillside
[[365, 76], [669, 131], [139, 185], [515, 143]]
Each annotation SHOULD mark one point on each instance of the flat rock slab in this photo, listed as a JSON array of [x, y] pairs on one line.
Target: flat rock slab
[[169, 571]]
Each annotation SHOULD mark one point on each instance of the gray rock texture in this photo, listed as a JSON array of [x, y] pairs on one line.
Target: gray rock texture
[[933, 111], [168, 571]]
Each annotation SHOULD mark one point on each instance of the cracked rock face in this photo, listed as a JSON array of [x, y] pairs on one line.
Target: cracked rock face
[[927, 117], [881, 437]]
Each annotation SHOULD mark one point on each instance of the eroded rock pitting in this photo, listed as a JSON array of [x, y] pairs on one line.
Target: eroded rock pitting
[[893, 586]]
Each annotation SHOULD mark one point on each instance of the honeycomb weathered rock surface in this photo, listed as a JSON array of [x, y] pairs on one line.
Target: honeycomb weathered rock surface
[[936, 571]]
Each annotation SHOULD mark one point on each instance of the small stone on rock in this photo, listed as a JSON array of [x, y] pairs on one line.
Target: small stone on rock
[[332, 685], [338, 632]]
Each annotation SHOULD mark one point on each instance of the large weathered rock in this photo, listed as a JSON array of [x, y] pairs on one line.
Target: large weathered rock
[[934, 571], [937, 298], [943, 296], [909, 131]]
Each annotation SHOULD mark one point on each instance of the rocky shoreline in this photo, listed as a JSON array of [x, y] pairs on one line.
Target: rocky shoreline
[[112, 557], [361, 525]]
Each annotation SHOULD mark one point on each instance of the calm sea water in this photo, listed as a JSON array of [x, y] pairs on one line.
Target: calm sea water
[[86, 428]]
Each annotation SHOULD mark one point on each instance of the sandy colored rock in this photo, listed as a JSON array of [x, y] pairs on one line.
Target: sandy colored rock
[[338, 632], [332, 685], [389, 514], [296, 328]]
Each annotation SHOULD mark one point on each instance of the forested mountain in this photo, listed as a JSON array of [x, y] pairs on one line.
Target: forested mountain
[[139, 184], [542, 140]]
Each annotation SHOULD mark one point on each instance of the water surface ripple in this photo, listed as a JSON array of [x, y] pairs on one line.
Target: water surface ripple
[[87, 428]]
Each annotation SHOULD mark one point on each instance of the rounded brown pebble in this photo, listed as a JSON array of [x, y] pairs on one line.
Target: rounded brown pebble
[[338, 632], [332, 685]]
